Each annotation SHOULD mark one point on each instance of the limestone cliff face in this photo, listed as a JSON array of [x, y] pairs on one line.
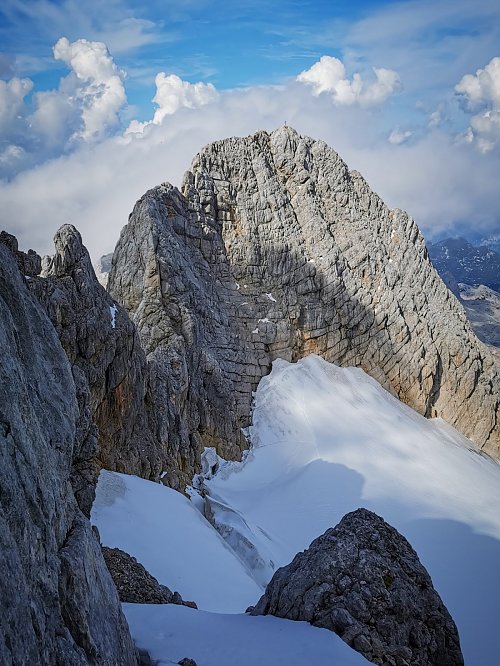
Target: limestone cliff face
[[275, 249], [58, 603], [109, 368]]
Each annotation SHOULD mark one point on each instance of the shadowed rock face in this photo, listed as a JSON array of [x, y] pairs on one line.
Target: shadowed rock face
[[58, 603], [135, 584], [274, 249], [109, 368], [365, 582]]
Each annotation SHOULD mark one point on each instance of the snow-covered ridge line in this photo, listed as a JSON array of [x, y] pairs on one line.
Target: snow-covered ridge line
[[325, 441]]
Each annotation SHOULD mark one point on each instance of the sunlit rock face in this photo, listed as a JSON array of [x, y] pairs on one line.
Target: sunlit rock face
[[273, 248]]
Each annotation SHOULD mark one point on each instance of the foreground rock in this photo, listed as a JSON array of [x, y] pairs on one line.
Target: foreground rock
[[135, 584], [58, 602], [364, 581], [273, 248]]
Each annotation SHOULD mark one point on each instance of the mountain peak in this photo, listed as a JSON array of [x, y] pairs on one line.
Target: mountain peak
[[274, 249]]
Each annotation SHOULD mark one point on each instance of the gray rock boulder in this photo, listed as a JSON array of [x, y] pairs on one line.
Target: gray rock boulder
[[58, 602], [364, 581], [274, 249]]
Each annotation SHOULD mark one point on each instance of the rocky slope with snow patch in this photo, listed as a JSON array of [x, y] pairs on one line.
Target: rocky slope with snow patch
[[109, 368], [274, 249]]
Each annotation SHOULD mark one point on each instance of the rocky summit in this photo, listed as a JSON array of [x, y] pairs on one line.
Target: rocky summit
[[274, 249]]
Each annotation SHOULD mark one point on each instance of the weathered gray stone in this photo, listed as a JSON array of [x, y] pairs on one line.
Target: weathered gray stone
[[275, 249], [109, 369], [135, 584], [364, 581], [58, 602], [30, 263]]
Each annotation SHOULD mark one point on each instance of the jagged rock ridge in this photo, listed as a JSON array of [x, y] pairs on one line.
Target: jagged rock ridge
[[109, 368], [275, 249], [58, 603]]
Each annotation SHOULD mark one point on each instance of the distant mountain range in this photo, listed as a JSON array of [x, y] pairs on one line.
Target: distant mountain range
[[473, 275], [466, 263]]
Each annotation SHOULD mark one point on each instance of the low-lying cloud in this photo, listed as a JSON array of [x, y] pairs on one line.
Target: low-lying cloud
[[93, 180]]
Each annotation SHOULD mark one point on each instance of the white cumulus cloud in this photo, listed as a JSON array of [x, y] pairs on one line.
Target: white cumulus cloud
[[328, 75], [481, 93], [12, 94], [172, 94], [83, 109], [95, 83]]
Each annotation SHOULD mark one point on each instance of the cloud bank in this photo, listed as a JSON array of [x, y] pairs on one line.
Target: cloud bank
[[95, 170], [84, 108]]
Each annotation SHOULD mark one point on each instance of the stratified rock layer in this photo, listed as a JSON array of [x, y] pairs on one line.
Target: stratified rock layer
[[275, 249], [364, 581], [58, 603]]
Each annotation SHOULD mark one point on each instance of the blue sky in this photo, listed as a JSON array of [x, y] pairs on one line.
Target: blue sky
[[382, 82]]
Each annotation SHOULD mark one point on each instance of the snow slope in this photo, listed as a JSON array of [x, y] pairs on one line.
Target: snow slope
[[325, 441], [170, 537], [170, 633]]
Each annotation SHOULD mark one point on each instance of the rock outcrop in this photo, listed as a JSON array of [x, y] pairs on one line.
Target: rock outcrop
[[364, 581], [273, 248], [135, 584], [58, 602], [29, 263], [108, 364]]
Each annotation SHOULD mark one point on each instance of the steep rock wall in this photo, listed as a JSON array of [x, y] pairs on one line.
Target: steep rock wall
[[275, 249], [58, 603], [108, 364]]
